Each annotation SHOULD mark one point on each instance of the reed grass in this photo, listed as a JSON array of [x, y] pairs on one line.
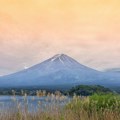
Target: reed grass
[[96, 107]]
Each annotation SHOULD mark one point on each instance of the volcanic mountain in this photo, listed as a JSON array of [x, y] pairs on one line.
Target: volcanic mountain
[[58, 70]]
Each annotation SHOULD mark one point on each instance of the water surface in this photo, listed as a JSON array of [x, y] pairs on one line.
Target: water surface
[[32, 103]]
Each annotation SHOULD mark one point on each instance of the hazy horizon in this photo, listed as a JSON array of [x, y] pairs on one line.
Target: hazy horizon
[[33, 31]]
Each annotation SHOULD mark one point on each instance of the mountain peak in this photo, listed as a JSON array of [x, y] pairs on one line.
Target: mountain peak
[[63, 60], [57, 63], [59, 57]]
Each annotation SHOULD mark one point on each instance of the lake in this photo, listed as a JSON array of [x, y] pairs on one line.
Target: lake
[[32, 103]]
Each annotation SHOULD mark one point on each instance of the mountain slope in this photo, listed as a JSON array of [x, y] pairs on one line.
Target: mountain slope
[[58, 70]]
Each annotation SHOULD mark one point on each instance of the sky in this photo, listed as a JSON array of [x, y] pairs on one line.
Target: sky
[[32, 31]]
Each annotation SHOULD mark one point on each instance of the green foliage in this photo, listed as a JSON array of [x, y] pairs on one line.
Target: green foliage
[[106, 101], [96, 102], [86, 90]]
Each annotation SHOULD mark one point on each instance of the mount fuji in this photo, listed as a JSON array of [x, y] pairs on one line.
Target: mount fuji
[[59, 70]]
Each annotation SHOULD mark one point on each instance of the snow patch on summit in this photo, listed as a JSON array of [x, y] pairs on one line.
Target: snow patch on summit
[[58, 56]]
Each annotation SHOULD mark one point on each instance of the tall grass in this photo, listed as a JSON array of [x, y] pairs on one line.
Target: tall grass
[[96, 107]]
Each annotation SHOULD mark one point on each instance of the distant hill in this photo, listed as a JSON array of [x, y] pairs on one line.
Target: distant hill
[[115, 70], [86, 90]]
